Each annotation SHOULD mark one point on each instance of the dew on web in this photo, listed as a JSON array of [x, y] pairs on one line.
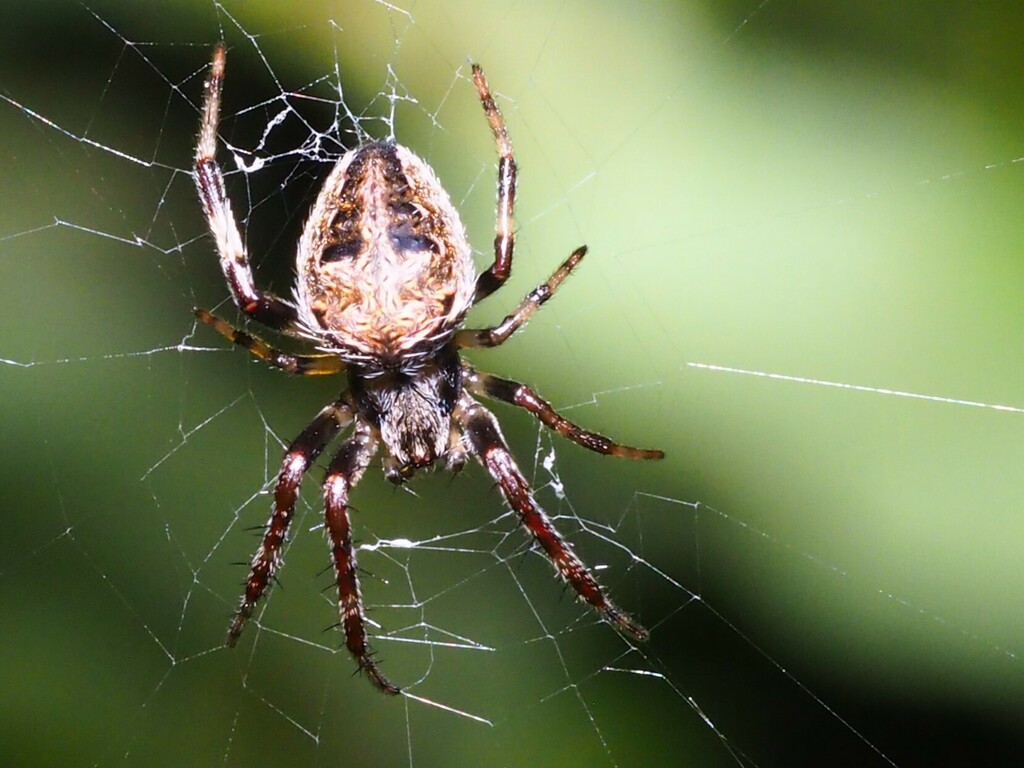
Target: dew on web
[[804, 283]]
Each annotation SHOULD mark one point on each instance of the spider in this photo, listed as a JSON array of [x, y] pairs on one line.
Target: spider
[[385, 278]]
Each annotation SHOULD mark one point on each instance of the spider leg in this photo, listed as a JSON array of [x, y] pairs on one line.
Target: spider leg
[[262, 307], [490, 449], [513, 392], [297, 459], [497, 334], [504, 240], [344, 472], [301, 365]]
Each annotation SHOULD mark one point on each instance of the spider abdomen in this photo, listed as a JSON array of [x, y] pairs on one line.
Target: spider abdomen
[[385, 271]]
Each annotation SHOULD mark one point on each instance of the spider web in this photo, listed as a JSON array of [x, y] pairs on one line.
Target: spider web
[[804, 284]]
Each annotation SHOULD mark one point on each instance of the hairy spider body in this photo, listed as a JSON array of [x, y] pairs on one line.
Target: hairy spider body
[[385, 279], [385, 272], [412, 412]]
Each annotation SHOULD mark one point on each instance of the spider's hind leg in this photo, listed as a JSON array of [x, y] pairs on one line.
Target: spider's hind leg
[[261, 306], [504, 235]]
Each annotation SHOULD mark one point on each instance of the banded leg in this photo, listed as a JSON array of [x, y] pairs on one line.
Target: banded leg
[[344, 472], [495, 335], [301, 365], [490, 448], [297, 459], [515, 393], [504, 238], [234, 262]]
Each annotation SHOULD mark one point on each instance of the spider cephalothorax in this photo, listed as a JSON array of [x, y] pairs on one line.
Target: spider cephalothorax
[[413, 413], [385, 278]]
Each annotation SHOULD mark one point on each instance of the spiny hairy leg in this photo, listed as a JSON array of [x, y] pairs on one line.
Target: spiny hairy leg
[[490, 448], [300, 365], [297, 459], [495, 335], [234, 261], [344, 472], [504, 236], [515, 393]]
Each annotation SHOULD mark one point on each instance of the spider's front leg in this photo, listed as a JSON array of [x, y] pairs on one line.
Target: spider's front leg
[[490, 449], [515, 393], [297, 459], [344, 472], [234, 261]]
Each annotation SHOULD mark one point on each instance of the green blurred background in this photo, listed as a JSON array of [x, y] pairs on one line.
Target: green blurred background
[[820, 191]]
